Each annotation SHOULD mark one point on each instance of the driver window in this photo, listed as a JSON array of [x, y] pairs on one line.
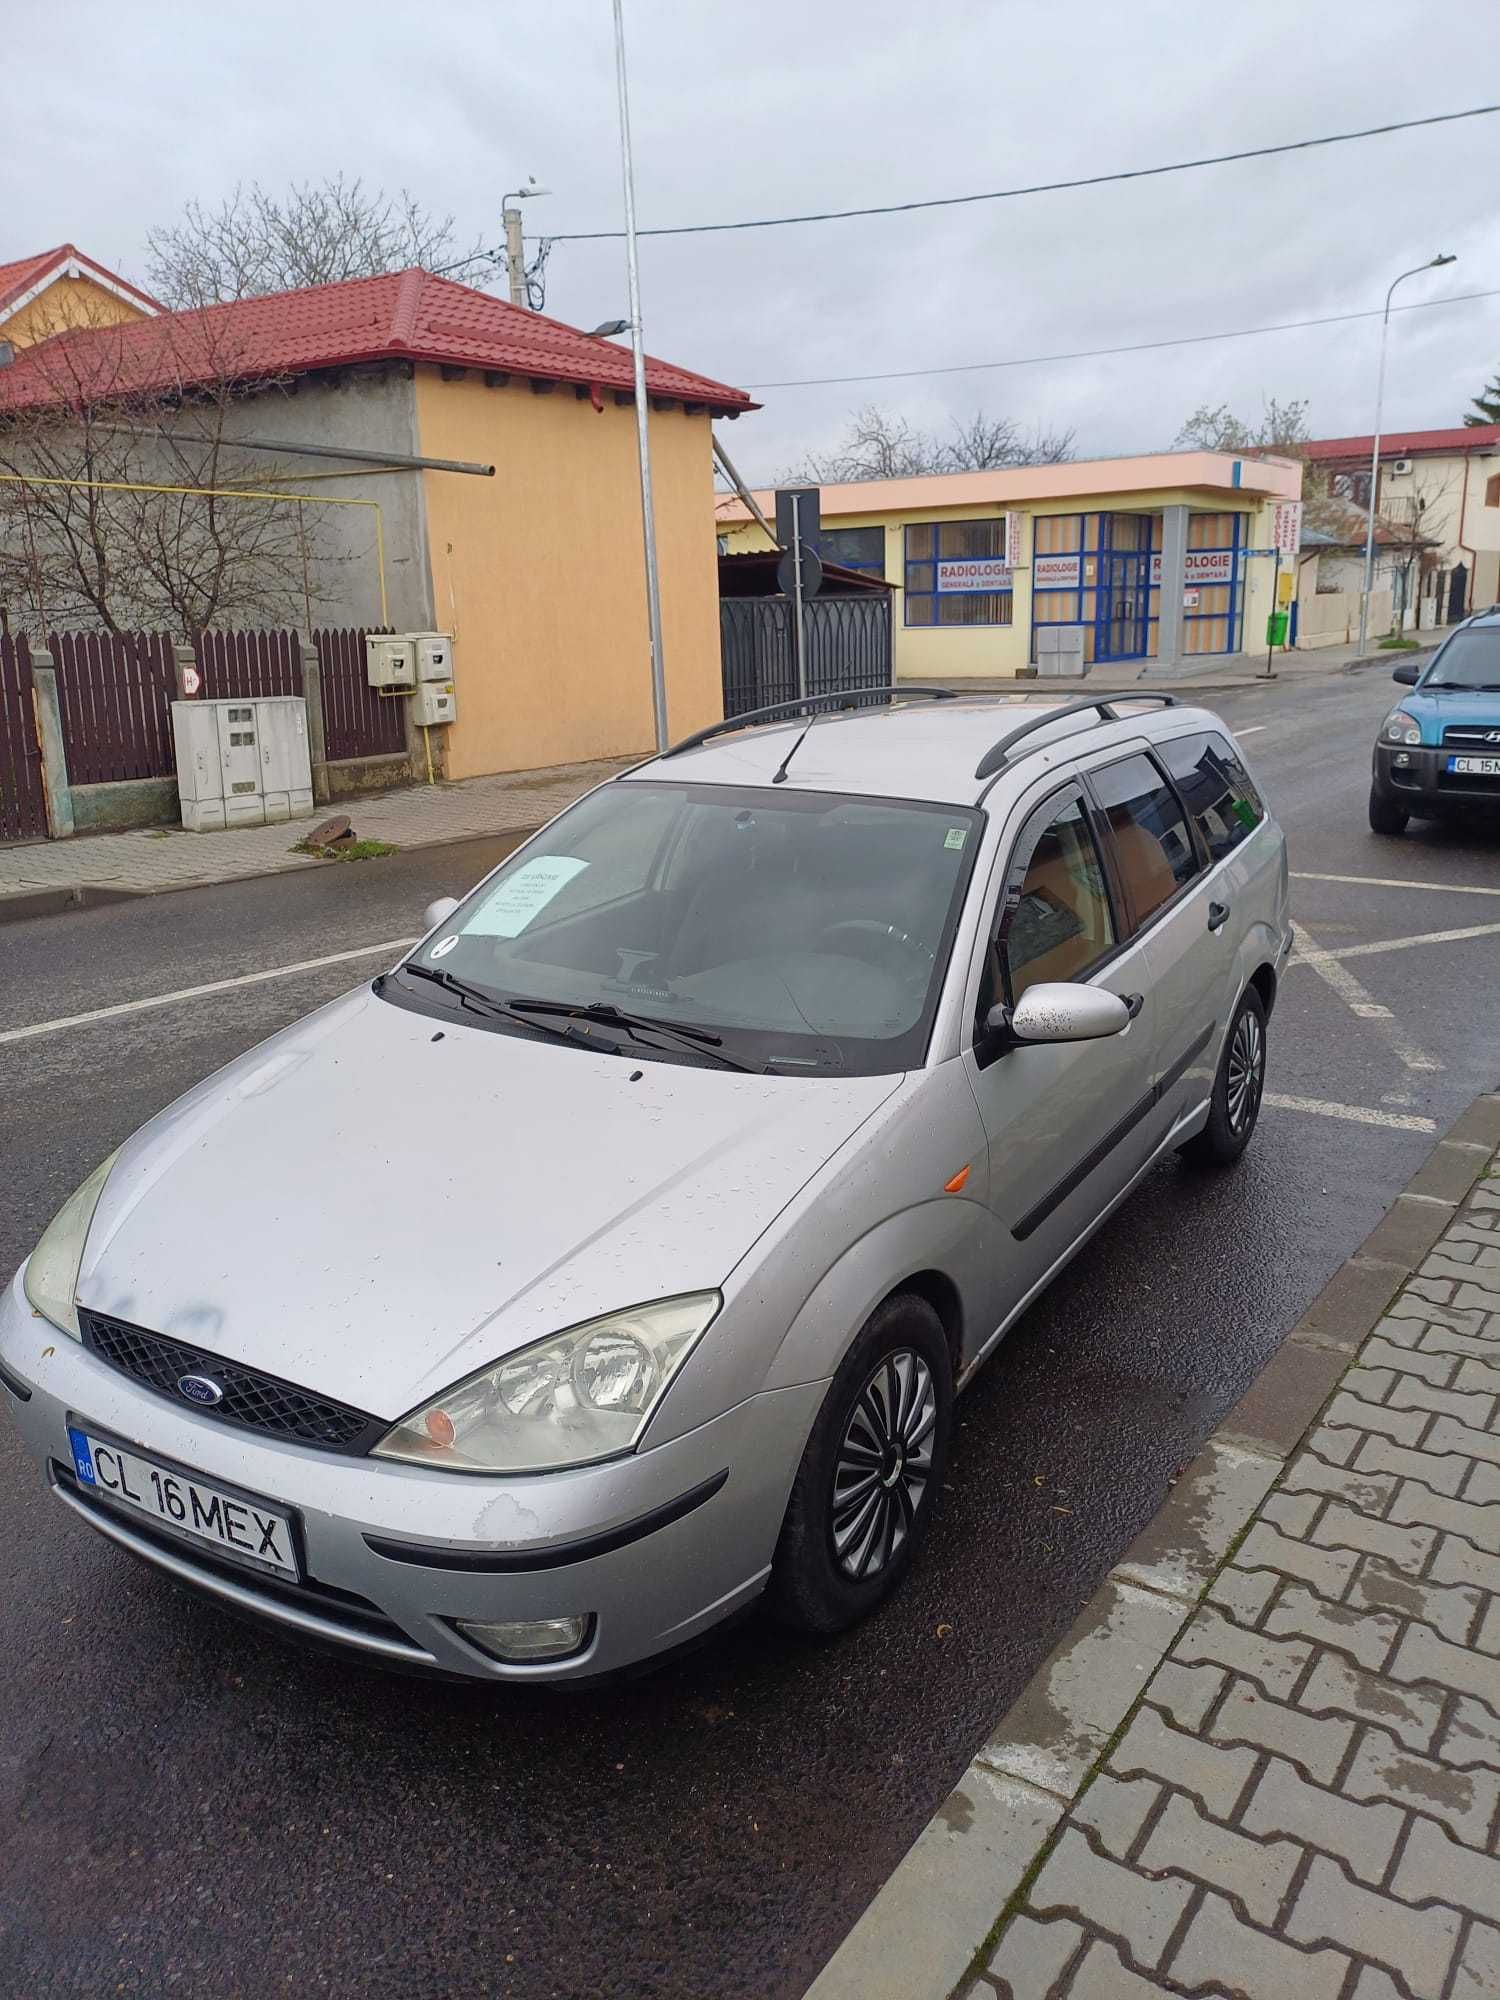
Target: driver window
[[1055, 922]]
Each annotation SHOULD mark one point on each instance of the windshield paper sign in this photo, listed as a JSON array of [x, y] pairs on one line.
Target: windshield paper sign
[[512, 904]]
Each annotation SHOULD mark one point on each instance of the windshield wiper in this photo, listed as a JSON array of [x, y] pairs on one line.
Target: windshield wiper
[[701, 1040], [489, 1003]]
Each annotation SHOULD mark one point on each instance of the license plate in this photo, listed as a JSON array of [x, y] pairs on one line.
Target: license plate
[[247, 1530], [1475, 767]]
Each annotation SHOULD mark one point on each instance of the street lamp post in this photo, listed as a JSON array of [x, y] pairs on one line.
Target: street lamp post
[[643, 439], [515, 250], [1364, 594]]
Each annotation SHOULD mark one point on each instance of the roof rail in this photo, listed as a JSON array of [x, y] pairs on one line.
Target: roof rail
[[780, 711], [998, 756]]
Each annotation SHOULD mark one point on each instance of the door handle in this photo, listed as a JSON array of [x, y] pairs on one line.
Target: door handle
[[1218, 916]]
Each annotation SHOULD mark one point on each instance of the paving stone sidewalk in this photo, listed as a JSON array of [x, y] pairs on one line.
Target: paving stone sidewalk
[[1305, 1802], [159, 858]]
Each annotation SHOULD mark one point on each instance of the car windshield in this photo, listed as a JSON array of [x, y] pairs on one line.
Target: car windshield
[[805, 932], [1469, 660]]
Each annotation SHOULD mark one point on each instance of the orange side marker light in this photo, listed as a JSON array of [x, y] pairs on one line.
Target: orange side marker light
[[956, 1185]]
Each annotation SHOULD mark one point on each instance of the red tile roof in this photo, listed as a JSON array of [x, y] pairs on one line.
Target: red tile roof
[[22, 276], [404, 316], [1406, 444]]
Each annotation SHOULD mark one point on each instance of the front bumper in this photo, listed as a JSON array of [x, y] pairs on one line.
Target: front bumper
[[1423, 784], [655, 1547]]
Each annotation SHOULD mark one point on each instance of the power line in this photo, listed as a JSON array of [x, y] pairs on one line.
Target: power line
[[1041, 187], [1136, 347]]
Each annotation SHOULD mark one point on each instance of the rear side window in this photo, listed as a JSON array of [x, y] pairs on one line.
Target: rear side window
[[1152, 841], [1218, 790]]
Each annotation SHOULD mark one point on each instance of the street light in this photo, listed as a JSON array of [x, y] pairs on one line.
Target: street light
[[1432, 264], [515, 254], [638, 352], [607, 329]]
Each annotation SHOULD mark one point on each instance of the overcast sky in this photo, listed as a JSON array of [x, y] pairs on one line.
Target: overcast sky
[[118, 113]]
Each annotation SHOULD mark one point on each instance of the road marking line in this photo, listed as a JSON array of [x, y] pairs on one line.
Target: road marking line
[[391, 945], [1320, 956], [1391, 881], [1256, 731], [1360, 1001], [1356, 1114]]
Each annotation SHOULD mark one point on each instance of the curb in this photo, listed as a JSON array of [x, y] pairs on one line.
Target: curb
[[25, 903], [933, 1920]]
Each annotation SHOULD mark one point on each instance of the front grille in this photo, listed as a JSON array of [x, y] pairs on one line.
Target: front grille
[[252, 1401], [1473, 736]]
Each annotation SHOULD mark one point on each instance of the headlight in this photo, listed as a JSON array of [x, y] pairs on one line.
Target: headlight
[[52, 1270], [1399, 727], [568, 1400]]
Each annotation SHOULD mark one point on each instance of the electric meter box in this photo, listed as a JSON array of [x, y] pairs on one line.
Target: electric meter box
[[390, 662], [242, 763], [434, 656], [433, 702]]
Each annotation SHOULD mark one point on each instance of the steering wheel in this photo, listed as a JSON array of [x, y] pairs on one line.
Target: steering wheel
[[884, 945]]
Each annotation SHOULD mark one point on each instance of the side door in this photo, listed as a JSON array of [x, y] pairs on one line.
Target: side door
[[1181, 924], [1063, 1120]]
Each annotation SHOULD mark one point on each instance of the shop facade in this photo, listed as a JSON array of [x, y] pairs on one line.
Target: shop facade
[[1108, 561]]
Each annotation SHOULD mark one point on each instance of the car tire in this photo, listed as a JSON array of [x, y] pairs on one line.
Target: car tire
[[1238, 1088], [1386, 816], [887, 1417]]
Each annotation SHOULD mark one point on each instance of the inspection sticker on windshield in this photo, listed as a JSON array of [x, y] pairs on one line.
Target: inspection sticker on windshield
[[517, 899], [957, 835]]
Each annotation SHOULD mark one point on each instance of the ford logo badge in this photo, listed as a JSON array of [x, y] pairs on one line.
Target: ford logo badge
[[199, 1389]]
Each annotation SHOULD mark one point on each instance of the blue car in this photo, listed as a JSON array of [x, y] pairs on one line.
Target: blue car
[[1438, 750]]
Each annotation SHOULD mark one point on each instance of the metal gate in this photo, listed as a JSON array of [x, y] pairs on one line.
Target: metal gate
[[848, 647], [23, 793]]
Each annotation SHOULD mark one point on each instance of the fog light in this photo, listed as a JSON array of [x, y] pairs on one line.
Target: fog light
[[521, 1640], [1402, 757]]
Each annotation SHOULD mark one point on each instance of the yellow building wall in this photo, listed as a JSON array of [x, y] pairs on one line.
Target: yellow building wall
[[949, 652], [539, 574], [67, 303]]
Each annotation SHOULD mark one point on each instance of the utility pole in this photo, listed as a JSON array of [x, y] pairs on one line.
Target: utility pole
[[642, 406], [515, 243], [515, 256], [1432, 264]]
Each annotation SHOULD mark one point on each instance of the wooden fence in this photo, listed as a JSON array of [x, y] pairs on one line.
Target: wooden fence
[[357, 722], [113, 689], [23, 798], [247, 664]]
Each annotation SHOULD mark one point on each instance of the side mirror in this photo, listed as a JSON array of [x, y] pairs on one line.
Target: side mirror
[[1407, 675], [1060, 1012], [439, 912]]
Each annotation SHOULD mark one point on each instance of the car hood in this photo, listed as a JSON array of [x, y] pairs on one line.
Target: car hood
[[374, 1204], [1452, 708]]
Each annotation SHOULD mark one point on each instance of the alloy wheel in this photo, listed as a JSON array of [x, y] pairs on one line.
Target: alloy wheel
[[1246, 1070], [884, 1466]]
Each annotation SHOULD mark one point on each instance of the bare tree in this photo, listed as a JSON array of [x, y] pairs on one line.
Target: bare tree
[[317, 234], [879, 444], [1215, 427], [121, 501]]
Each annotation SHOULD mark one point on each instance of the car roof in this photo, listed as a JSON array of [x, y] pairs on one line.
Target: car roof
[[926, 750]]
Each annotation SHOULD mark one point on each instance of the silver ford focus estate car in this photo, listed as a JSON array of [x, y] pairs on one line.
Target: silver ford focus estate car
[[668, 1190]]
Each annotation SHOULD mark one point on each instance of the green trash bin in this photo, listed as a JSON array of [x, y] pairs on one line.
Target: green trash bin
[[1276, 629]]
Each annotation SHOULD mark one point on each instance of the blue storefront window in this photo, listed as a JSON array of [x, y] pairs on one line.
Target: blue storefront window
[[956, 574]]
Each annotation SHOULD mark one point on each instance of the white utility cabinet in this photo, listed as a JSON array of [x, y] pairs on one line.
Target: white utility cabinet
[[242, 763], [434, 656], [433, 702], [390, 660]]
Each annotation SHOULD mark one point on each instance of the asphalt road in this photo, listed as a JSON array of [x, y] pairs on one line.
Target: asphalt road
[[192, 1806]]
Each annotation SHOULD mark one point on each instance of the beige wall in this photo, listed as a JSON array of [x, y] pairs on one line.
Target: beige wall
[[67, 302], [538, 573]]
